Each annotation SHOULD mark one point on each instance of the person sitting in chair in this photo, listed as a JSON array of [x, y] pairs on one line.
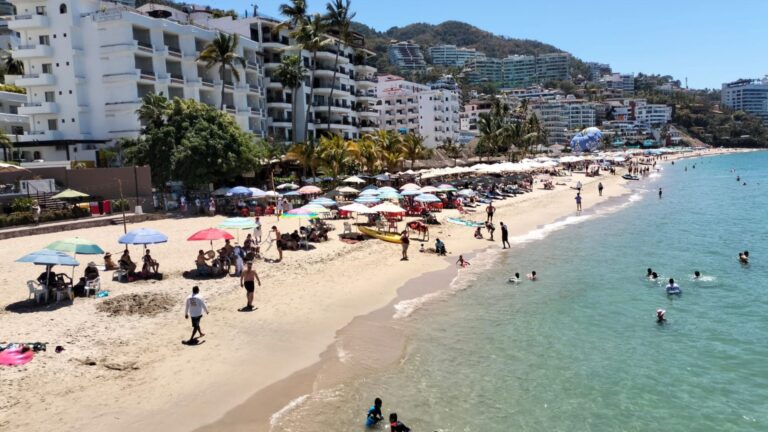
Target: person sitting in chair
[[47, 279], [91, 273], [202, 263], [126, 263], [149, 263], [108, 263], [226, 251]]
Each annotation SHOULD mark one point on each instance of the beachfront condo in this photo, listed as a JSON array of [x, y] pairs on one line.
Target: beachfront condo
[[519, 70], [87, 64], [439, 117], [747, 95], [451, 55], [406, 55]]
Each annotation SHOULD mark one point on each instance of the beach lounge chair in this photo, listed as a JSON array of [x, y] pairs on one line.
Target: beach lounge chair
[[93, 285], [36, 290]]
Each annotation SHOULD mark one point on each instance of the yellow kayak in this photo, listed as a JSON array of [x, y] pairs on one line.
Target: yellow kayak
[[387, 237]]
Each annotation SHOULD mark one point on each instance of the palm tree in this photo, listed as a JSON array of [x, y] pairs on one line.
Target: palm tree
[[413, 147], [390, 149], [295, 13], [336, 154], [487, 128], [273, 153], [153, 110], [339, 20], [306, 154], [222, 51], [310, 36], [291, 74], [11, 66], [368, 154], [451, 149]]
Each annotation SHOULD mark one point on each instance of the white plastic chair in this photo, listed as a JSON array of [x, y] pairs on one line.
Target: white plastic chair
[[36, 290], [93, 285], [65, 293], [347, 228]]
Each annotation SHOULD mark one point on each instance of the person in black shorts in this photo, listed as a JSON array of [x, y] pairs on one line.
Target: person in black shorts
[[248, 280]]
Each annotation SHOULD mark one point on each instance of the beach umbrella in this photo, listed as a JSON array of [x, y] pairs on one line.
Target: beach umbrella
[[314, 208], [291, 194], [370, 192], [271, 194], [287, 186], [49, 258], [354, 180], [427, 198], [257, 193], [386, 189], [467, 192], [310, 190], [346, 190], [239, 191], [220, 191], [210, 235], [382, 177], [142, 236], [410, 186], [325, 202], [411, 192], [238, 223], [301, 213], [388, 207], [11, 168], [76, 245], [429, 189], [69, 194], [446, 188], [358, 208], [367, 200], [390, 195]]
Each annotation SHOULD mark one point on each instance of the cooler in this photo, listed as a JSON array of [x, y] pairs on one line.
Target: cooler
[[107, 205], [94, 205]]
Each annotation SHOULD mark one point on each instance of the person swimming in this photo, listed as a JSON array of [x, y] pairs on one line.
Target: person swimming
[[649, 273], [673, 288], [660, 319], [515, 279], [532, 276], [395, 425], [744, 257], [374, 414], [654, 276], [697, 274]]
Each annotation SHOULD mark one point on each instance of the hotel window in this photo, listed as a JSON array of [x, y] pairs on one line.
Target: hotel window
[[50, 96], [40, 10], [44, 40], [53, 124], [47, 68], [62, 8]]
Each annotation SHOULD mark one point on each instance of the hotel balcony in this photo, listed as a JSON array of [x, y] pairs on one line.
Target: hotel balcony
[[50, 135], [33, 108], [32, 51], [116, 77], [34, 80], [127, 105], [29, 21]]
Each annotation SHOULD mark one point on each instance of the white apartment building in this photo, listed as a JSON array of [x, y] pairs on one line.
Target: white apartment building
[[14, 125], [519, 70], [398, 104], [623, 82], [750, 96], [451, 55], [560, 116], [89, 63], [653, 115], [406, 55], [351, 109], [470, 114], [439, 117]]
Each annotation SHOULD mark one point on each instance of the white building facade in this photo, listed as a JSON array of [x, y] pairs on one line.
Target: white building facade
[[439, 117], [750, 96], [88, 64], [398, 104], [451, 55]]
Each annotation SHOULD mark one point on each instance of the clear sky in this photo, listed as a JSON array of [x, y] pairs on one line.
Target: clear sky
[[708, 41]]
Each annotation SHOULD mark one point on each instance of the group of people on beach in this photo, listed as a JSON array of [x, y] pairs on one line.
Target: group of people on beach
[[375, 416]]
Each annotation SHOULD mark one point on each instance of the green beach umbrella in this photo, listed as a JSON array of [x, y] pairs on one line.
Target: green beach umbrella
[[76, 245], [70, 194], [238, 223]]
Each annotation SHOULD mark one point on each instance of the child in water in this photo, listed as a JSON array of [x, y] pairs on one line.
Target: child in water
[[649, 273], [660, 316], [532, 276], [696, 275], [744, 257], [462, 262], [515, 279], [396, 426], [374, 414]]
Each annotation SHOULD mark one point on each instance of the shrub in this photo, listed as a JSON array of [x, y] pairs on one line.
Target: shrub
[[120, 205], [21, 205]]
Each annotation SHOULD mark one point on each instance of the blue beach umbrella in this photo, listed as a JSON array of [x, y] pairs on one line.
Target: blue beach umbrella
[[142, 236], [387, 189], [427, 198], [48, 257], [367, 200], [370, 192], [292, 193], [410, 192], [240, 191], [390, 195], [325, 202]]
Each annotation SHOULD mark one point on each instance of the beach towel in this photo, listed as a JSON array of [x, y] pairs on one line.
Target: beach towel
[[16, 356]]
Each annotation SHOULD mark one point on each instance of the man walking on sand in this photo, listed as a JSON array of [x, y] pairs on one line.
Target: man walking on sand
[[600, 188], [194, 307], [247, 279], [504, 236], [489, 211]]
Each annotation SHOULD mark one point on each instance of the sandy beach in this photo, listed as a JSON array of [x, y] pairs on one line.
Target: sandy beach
[[121, 373]]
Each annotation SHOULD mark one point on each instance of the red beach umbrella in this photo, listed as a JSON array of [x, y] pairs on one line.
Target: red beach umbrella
[[211, 234]]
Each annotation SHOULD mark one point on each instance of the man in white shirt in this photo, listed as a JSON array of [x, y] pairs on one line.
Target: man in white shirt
[[195, 305], [257, 230]]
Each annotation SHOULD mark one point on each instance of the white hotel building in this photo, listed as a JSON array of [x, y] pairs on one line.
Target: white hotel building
[[439, 117], [88, 64]]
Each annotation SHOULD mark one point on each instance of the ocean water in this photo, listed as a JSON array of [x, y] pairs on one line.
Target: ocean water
[[579, 349]]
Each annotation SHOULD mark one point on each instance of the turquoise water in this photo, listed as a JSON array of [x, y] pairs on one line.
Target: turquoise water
[[579, 350]]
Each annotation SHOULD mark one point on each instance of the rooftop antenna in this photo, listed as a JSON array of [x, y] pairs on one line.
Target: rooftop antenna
[[686, 83]]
